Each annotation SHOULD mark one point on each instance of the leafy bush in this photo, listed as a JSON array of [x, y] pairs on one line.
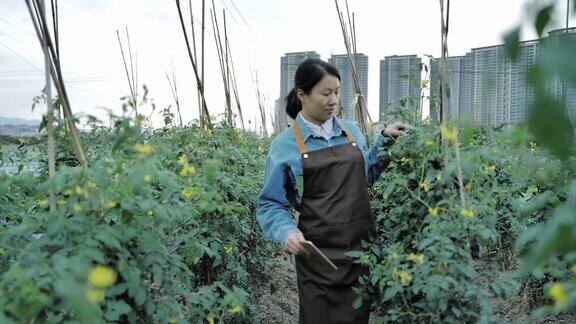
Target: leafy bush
[[167, 214]]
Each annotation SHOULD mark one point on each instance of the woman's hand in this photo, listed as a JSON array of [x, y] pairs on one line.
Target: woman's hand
[[394, 130], [292, 244]]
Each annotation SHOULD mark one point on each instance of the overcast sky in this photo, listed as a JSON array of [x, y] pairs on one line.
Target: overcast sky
[[261, 31]]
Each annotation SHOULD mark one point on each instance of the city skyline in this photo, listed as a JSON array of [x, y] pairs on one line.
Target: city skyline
[[485, 87], [92, 64]]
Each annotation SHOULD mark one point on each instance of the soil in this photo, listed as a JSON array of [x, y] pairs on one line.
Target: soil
[[280, 304]]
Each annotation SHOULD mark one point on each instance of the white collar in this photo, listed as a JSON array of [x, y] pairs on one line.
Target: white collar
[[325, 130]]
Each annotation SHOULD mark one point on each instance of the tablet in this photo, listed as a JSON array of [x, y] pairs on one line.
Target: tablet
[[317, 255]]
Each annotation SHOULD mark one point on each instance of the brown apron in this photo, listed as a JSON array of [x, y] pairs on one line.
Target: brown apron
[[335, 216]]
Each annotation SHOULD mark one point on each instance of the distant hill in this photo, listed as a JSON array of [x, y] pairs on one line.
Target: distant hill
[[18, 121]]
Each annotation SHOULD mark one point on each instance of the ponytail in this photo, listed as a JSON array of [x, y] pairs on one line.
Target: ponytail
[[293, 104]]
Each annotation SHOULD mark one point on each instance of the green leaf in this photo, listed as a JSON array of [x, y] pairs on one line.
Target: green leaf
[[115, 309], [543, 19], [357, 303], [300, 184], [551, 126], [511, 43]]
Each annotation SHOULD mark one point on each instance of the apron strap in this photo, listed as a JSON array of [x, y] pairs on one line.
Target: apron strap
[[298, 136], [300, 140], [348, 134]]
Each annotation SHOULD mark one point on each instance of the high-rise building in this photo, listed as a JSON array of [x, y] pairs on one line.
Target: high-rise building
[[454, 91], [557, 86], [493, 90], [280, 116], [520, 93], [399, 83], [288, 65], [347, 88]]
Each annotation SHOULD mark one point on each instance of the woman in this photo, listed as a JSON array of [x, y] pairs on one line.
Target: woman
[[328, 156]]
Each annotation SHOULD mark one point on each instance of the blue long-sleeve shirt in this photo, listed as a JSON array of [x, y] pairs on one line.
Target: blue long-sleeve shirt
[[283, 166]]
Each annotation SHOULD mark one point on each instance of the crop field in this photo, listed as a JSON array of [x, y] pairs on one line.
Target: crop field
[[125, 222]]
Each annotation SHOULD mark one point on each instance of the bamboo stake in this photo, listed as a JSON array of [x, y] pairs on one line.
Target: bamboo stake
[[199, 82], [203, 108], [235, 88], [354, 34], [49, 115], [174, 90], [193, 31], [260, 103], [41, 28], [361, 102], [128, 77], [444, 50], [134, 83], [444, 79], [54, 4], [222, 59], [195, 58], [226, 48]]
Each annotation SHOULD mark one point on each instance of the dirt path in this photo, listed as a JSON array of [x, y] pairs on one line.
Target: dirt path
[[282, 305]]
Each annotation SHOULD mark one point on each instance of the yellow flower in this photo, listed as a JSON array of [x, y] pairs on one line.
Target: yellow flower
[[430, 143], [147, 178], [61, 202], [143, 149], [42, 203], [416, 258], [424, 186], [404, 276], [433, 211], [558, 293], [110, 204], [404, 160], [102, 276], [189, 192], [183, 159], [467, 213], [78, 208], [449, 133], [468, 186], [365, 259], [187, 169], [80, 191], [95, 295], [210, 319], [228, 249], [150, 213], [489, 168], [235, 309]]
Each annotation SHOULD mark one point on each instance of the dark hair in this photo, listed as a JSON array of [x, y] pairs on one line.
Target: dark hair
[[308, 74]]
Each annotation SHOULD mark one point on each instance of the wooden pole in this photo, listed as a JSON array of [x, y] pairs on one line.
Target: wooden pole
[[41, 28], [49, 117], [199, 82], [361, 101]]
